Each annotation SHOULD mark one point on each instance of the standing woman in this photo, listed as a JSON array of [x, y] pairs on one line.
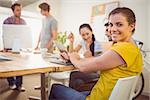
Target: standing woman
[[122, 60]]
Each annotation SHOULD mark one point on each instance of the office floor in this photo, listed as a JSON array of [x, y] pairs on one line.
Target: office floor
[[29, 82]]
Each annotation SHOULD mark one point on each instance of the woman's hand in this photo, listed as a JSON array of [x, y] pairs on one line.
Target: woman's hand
[[74, 56], [71, 57], [87, 54], [64, 56], [71, 37]]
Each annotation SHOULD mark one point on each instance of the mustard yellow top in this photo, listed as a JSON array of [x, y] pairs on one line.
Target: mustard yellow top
[[108, 78]]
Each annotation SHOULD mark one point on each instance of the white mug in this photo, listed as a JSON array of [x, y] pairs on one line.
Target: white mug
[[43, 51]]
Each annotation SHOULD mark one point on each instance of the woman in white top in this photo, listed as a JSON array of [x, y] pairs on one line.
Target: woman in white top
[[88, 43], [89, 46]]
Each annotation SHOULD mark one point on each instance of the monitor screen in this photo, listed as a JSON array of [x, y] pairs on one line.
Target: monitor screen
[[17, 33]]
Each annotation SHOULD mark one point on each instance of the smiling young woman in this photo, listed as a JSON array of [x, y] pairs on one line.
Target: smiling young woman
[[115, 63]]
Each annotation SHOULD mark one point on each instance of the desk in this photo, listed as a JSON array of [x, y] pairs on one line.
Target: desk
[[24, 64]]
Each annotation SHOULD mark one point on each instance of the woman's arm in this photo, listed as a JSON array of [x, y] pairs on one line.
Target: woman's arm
[[71, 46], [72, 49], [110, 59]]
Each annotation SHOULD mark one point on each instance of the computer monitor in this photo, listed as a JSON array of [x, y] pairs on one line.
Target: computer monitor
[[17, 33]]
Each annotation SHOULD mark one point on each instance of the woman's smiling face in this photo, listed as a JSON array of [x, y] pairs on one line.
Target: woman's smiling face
[[120, 29], [86, 34]]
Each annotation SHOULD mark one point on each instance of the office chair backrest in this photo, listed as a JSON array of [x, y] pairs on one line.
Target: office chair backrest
[[124, 89]]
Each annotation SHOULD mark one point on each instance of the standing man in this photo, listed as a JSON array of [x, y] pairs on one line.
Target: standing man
[[49, 28], [15, 82], [16, 18]]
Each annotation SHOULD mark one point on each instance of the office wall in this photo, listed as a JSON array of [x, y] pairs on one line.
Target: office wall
[[54, 6], [69, 13], [148, 37], [74, 13]]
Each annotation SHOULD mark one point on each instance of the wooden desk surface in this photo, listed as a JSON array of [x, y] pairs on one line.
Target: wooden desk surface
[[23, 64]]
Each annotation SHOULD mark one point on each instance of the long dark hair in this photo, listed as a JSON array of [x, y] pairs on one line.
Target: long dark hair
[[92, 45], [93, 37]]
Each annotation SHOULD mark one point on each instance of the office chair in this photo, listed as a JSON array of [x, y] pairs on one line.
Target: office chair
[[124, 88]]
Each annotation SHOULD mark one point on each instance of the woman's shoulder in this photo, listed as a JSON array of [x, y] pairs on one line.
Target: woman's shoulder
[[125, 46]]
